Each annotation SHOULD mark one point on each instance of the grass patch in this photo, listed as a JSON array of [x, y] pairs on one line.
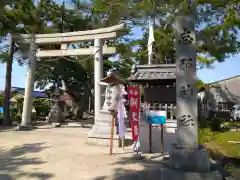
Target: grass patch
[[232, 124], [228, 149], [228, 154]]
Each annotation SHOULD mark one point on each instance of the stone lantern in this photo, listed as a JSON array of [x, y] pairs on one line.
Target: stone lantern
[[56, 114], [100, 132]]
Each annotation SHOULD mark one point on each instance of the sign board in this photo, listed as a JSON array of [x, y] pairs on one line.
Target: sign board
[[1, 110], [156, 117], [134, 110]]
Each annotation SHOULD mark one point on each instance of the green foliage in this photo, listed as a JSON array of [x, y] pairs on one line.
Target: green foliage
[[13, 112], [1, 99], [42, 107], [41, 102], [217, 26], [232, 124], [215, 124], [205, 135], [42, 111], [17, 117], [216, 30]]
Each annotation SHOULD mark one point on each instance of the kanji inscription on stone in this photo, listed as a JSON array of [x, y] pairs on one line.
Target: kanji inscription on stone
[[185, 37], [186, 91], [187, 110], [186, 120], [186, 64]]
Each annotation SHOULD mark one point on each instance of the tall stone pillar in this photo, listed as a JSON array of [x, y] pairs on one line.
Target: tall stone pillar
[[188, 159], [186, 83], [27, 104], [98, 75]]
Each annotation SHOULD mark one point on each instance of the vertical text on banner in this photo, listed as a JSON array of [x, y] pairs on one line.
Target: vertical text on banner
[[134, 110]]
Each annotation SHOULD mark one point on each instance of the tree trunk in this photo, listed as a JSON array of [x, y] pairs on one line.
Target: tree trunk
[[7, 120]]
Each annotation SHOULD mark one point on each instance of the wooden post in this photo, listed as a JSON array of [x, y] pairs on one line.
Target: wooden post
[[171, 112], [112, 132], [150, 138], [162, 142], [123, 139], [89, 104]]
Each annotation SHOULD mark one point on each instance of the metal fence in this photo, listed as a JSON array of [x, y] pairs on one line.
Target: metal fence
[[170, 108]]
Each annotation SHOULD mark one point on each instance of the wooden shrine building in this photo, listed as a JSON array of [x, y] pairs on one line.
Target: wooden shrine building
[[159, 85]]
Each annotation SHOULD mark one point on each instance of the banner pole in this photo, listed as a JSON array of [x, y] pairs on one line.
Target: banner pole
[[112, 133], [123, 139], [150, 138], [139, 119], [162, 142]]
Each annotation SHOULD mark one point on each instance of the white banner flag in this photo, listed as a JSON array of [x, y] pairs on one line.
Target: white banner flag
[[151, 39]]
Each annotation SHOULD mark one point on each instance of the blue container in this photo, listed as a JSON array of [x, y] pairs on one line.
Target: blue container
[[156, 117], [1, 110]]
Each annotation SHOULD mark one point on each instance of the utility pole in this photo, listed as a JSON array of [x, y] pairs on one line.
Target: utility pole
[[8, 80]]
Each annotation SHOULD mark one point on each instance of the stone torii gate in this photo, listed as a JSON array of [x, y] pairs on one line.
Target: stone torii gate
[[63, 39]]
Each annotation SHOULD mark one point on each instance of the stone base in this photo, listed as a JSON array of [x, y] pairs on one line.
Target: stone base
[[196, 160], [189, 164], [101, 131], [171, 174], [24, 128]]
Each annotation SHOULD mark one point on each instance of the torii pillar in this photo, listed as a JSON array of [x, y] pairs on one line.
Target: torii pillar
[[98, 35], [27, 104], [98, 75]]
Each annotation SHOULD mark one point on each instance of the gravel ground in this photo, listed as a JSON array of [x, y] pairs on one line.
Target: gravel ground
[[62, 154]]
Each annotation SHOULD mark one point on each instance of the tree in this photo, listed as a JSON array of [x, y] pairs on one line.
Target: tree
[[57, 71], [15, 20], [217, 26], [213, 44]]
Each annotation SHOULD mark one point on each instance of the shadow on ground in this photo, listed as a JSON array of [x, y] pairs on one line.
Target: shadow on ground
[[6, 128], [13, 161], [151, 169], [227, 165]]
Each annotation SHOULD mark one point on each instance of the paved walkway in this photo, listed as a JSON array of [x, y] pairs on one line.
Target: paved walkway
[[62, 154]]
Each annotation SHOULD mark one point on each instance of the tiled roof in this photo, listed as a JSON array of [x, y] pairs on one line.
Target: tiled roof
[[229, 88], [39, 94], [152, 76], [225, 80], [154, 72], [35, 94]]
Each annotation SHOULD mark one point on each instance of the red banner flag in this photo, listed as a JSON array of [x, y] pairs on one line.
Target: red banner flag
[[134, 110]]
